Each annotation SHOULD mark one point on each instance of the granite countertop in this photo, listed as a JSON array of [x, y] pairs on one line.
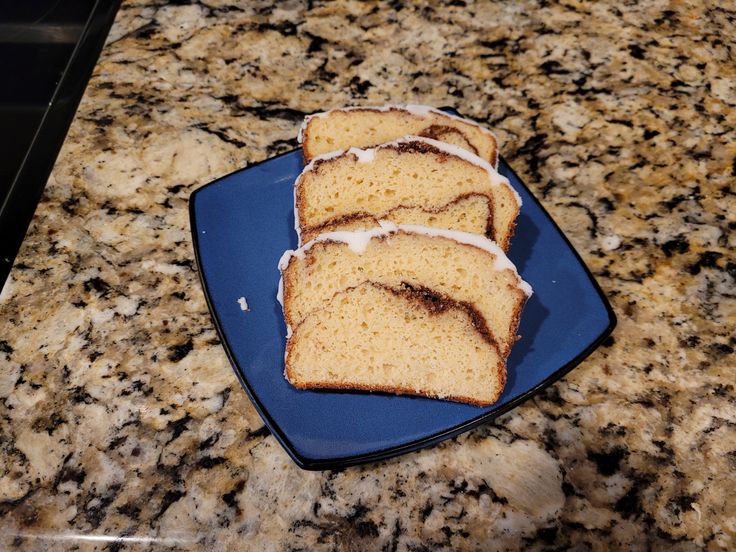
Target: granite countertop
[[122, 425]]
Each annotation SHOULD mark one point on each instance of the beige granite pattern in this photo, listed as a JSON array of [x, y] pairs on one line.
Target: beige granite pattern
[[122, 425]]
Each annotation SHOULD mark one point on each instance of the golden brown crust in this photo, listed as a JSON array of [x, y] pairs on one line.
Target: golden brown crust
[[506, 243], [308, 155], [432, 302], [511, 337], [402, 391], [308, 234], [512, 231]]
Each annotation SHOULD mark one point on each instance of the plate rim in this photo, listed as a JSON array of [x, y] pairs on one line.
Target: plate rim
[[314, 464]]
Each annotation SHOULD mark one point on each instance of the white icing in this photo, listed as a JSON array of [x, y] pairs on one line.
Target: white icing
[[358, 242], [296, 215], [364, 156], [243, 304], [280, 292], [423, 110], [280, 299], [526, 287], [288, 254]]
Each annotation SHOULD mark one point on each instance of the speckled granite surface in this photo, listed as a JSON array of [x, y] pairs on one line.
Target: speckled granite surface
[[122, 425]]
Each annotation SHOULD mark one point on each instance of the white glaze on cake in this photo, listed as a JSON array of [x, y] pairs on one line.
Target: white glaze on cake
[[358, 242], [280, 299], [363, 155], [280, 292], [296, 213]]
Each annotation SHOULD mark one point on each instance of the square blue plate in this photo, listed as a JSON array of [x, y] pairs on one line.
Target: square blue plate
[[243, 222]]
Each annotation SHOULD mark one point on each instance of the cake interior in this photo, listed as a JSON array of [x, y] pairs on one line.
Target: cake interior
[[398, 340], [411, 174], [463, 272], [469, 213]]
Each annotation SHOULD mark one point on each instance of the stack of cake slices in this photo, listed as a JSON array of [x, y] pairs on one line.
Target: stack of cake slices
[[401, 283]]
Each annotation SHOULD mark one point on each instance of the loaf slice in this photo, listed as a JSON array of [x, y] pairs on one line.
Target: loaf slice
[[468, 268], [362, 127], [409, 172], [467, 213], [398, 340]]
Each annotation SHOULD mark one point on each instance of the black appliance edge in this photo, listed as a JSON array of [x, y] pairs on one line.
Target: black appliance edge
[[16, 212]]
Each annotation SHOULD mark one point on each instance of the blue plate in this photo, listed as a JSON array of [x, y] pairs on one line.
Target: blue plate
[[243, 222]]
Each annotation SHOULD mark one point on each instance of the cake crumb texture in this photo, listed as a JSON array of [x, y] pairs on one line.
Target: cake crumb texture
[[486, 280], [410, 172], [430, 345]]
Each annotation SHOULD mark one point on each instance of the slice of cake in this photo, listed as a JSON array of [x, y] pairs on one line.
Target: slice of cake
[[468, 268], [467, 213], [411, 172], [399, 340], [369, 126]]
